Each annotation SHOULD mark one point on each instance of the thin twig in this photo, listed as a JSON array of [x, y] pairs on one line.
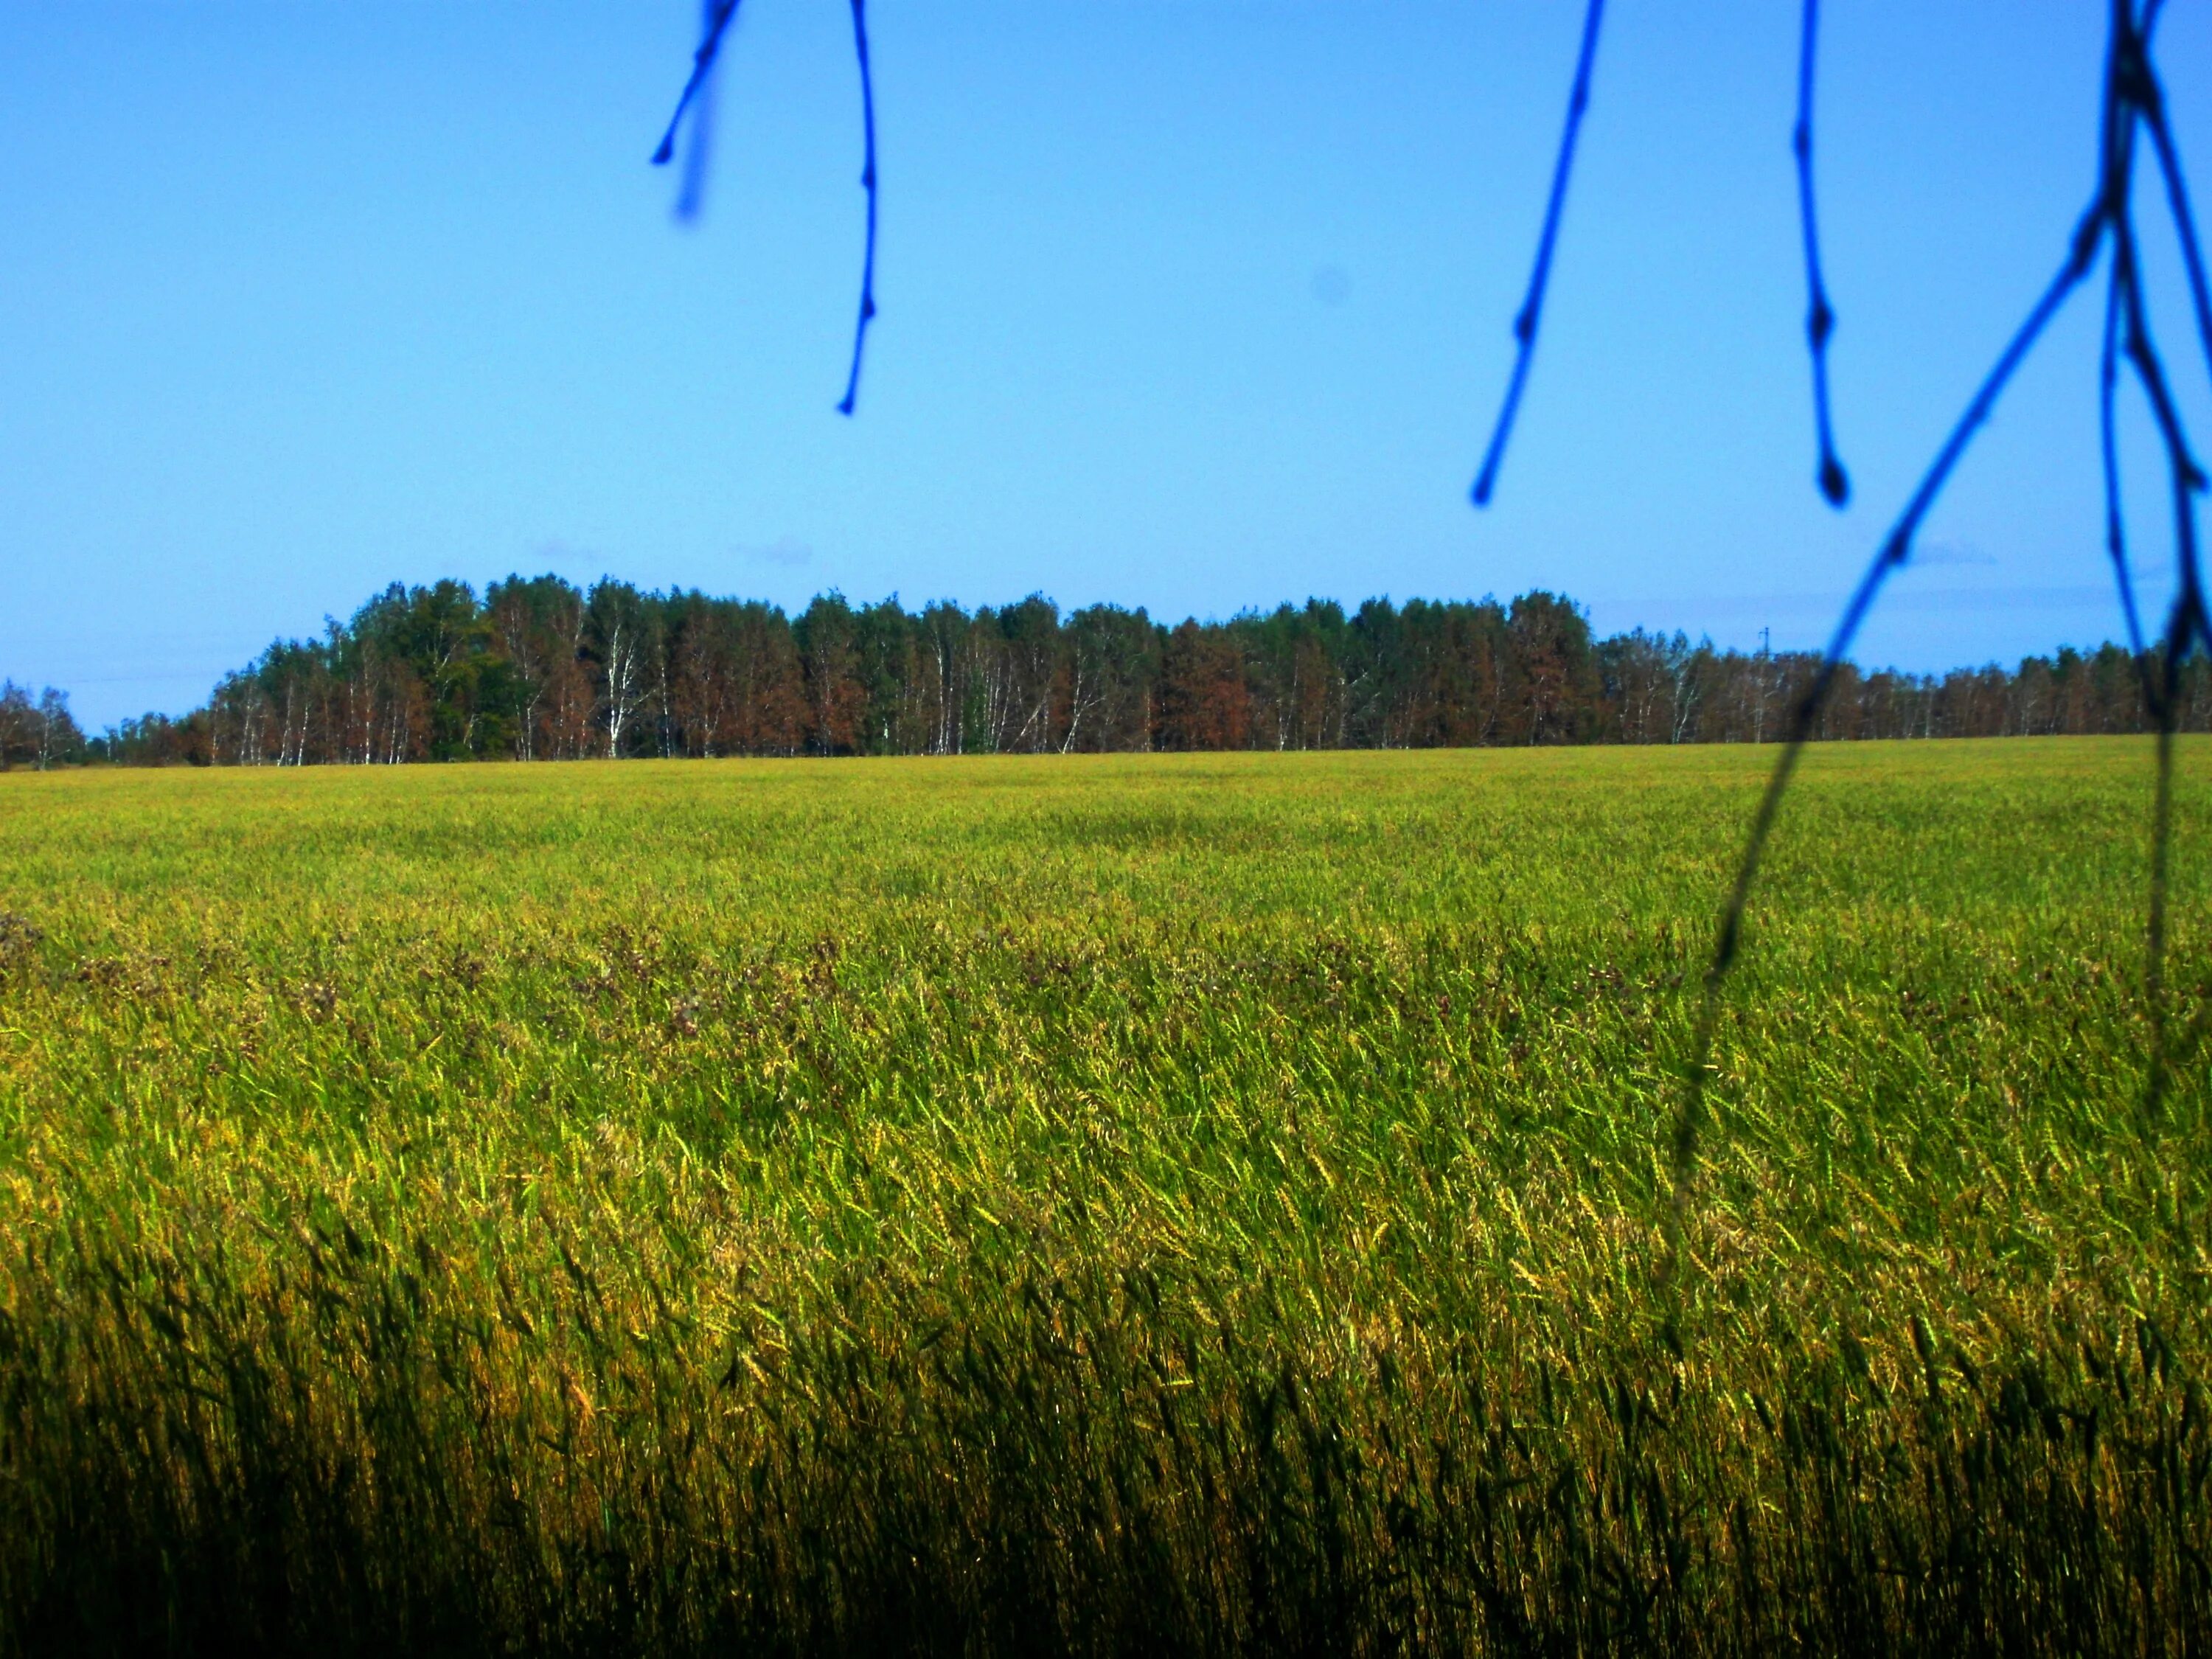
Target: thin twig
[[1821, 319], [2108, 379], [1896, 548], [699, 154], [868, 181], [2186, 478], [2132, 94], [718, 17], [2198, 621], [2184, 222], [1532, 306], [2136, 97], [2151, 106]]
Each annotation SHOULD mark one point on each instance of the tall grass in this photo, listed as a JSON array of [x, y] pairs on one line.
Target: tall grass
[[1208, 1205]]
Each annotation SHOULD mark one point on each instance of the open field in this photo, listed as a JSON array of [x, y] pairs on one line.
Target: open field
[[1197, 1204]]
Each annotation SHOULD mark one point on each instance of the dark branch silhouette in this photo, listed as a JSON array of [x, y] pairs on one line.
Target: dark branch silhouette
[[868, 183], [720, 14], [694, 100], [2177, 196], [2186, 478], [1821, 319], [1532, 306], [2132, 95], [2186, 622], [2116, 537], [1896, 548]]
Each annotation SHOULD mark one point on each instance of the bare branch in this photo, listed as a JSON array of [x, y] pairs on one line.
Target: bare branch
[[1896, 548], [1820, 317], [1532, 305], [868, 182], [720, 14], [2108, 443]]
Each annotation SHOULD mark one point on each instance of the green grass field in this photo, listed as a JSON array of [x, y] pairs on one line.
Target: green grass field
[[1136, 1205]]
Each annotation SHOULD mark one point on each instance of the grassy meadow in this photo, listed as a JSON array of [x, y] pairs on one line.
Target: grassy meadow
[[1207, 1203]]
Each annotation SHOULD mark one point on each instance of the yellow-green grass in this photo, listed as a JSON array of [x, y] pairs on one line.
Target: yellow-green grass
[[1131, 1204]]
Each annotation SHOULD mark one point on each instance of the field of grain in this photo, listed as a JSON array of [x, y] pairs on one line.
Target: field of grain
[[1137, 1205]]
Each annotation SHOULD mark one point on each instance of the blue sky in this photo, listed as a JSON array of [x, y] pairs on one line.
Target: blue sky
[[1195, 305]]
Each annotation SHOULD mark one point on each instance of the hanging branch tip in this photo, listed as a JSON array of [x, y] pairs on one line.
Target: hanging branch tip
[[1525, 321]]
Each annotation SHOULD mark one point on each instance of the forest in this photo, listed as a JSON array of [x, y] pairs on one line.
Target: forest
[[540, 669]]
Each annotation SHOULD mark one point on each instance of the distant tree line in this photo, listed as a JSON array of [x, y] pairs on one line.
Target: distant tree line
[[37, 731], [539, 669]]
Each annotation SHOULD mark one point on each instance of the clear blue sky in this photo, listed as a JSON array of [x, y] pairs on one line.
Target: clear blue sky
[[1195, 304]]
